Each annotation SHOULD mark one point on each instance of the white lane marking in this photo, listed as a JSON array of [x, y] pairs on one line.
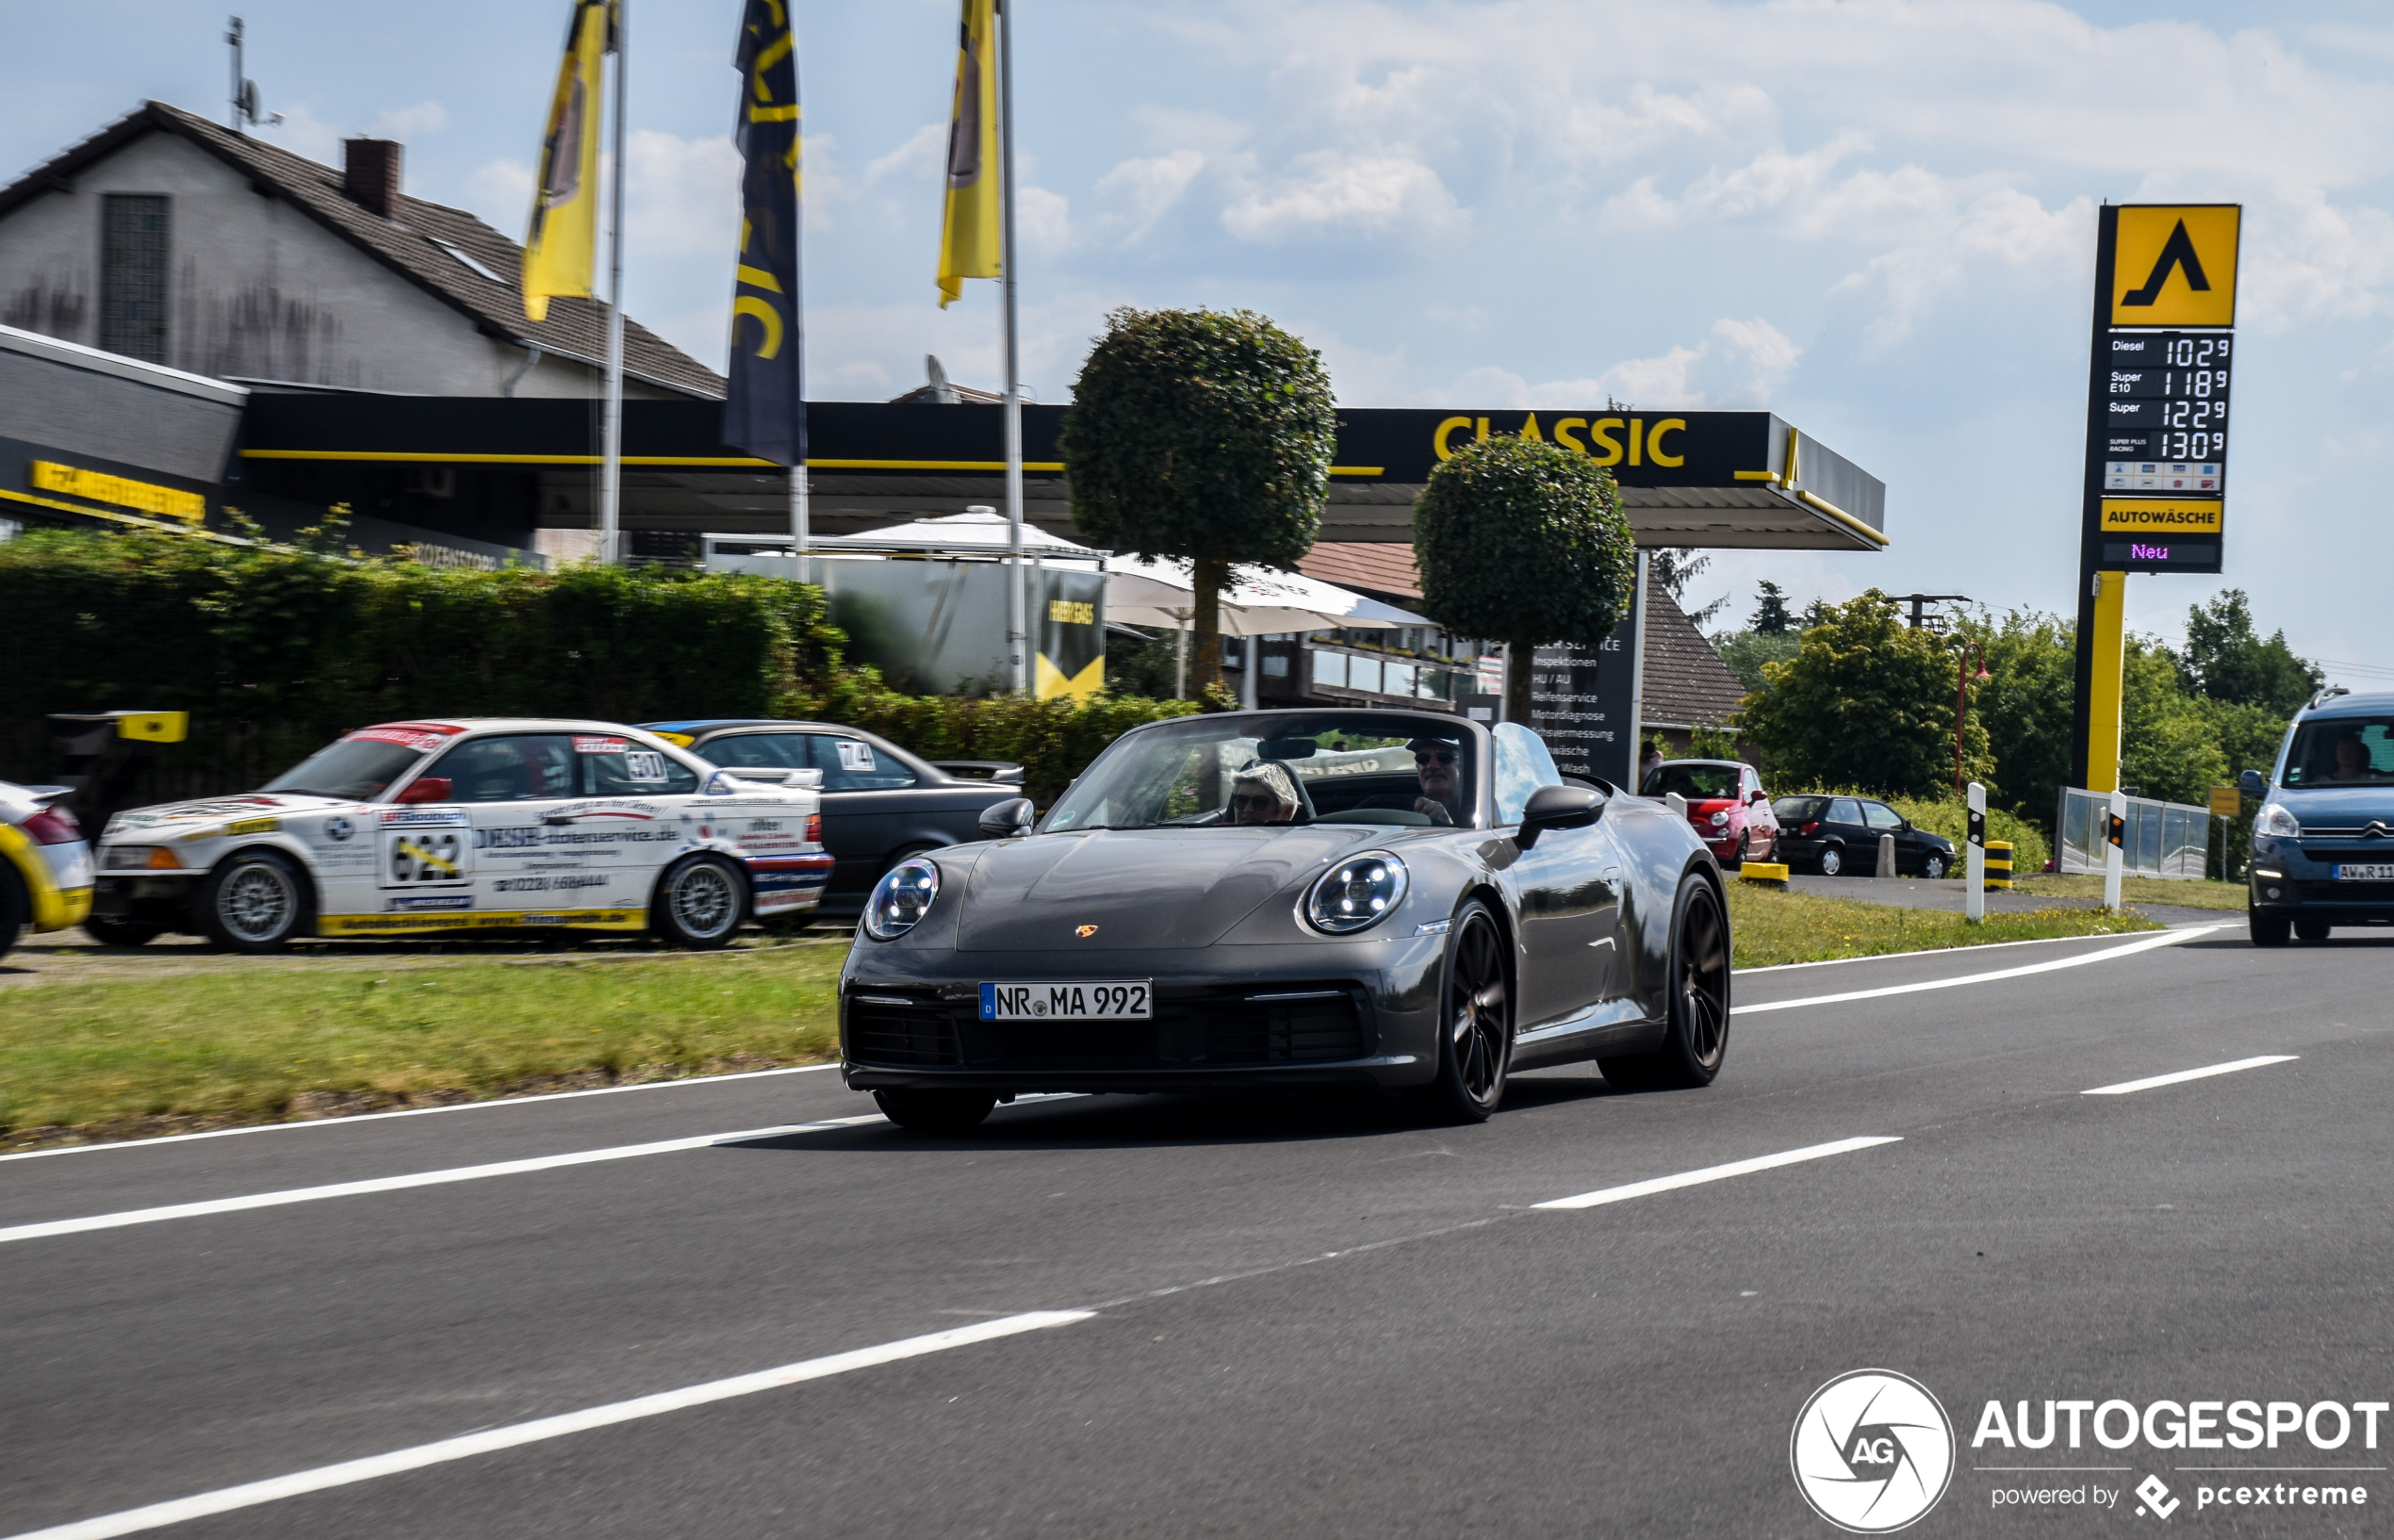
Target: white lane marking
[[2203, 1073], [417, 1179], [1716, 1173], [416, 1112], [2161, 938], [1933, 952], [230, 1498]]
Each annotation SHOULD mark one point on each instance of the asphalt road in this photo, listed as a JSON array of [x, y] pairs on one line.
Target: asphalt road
[[1270, 1317]]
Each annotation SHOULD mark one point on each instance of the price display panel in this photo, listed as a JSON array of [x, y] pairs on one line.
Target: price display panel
[[2163, 411]]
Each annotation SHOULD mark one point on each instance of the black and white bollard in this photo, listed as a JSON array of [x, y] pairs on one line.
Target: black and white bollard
[[1974, 888]]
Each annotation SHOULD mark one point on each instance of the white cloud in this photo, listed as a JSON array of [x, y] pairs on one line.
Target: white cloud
[[921, 159], [684, 196], [1044, 221], [1147, 189], [407, 122], [1332, 191], [1954, 249], [1738, 365]]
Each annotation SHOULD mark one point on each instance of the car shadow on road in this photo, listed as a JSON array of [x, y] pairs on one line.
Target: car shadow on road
[[1189, 1120]]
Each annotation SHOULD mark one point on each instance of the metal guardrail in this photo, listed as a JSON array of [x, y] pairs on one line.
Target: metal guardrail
[[2163, 839]]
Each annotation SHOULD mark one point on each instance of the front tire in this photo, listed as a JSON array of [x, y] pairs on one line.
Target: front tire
[[1696, 1037], [1833, 860], [1475, 1024], [2310, 930], [700, 902], [1933, 867], [936, 1111], [2268, 929], [255, 901], [1745, 849]]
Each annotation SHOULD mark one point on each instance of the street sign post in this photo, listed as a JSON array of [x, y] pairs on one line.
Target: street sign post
[[2161, 365]]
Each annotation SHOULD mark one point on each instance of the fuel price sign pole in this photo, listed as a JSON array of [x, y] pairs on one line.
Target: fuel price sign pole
[[2156, 500]]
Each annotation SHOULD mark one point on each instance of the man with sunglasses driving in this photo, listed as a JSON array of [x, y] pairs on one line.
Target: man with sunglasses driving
[[1438, 762]]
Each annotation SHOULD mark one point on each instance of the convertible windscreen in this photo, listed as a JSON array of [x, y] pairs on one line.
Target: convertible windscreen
[[1326, 769]]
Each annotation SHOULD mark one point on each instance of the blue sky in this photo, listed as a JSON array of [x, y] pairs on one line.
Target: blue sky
[[1873, 216]]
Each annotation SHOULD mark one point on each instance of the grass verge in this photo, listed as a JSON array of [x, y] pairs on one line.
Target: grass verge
[[2195, 893], [1773, 927], [130, 1057]]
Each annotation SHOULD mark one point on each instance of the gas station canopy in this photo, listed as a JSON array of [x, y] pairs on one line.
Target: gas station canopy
[[1689, 479]]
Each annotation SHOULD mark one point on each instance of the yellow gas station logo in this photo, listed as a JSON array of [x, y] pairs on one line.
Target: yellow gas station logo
[[2174, 265]]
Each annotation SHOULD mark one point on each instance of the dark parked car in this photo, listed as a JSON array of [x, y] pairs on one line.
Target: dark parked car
[[1322, 898], [1833, 834], [881, 804]]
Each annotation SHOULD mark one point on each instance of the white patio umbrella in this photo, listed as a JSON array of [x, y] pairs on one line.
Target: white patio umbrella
[[1258, 602], [975, 529]]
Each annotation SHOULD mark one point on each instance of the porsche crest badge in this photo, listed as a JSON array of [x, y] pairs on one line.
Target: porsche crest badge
[[1085, 932]]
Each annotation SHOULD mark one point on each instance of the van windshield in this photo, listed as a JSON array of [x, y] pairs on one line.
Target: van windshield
[[2342, 751]]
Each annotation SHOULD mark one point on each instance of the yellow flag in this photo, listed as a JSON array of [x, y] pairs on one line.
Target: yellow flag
[[968, 241], [561, 251]]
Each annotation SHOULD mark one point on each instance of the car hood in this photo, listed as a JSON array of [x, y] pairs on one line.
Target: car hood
[[1138, 888], [185, 816], [2337, 806]]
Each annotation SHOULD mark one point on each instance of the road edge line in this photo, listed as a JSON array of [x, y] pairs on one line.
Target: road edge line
[[1717, 1174], [2146, 942], [2180, 1077]]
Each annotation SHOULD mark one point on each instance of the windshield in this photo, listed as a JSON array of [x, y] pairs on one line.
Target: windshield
[[1693, 781], [2342, 751], [357, 768], [1207, 772]]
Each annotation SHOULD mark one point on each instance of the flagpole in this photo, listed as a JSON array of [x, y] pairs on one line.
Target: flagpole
[[1016, 636], [610, 429]]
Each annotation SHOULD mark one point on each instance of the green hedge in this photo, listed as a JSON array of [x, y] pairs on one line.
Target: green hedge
[[275, 651]]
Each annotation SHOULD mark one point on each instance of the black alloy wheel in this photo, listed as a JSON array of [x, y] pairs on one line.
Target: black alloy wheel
[[936, 1111], [701, 903], [1833, 860], [1475, 1023], [2310, 930], [1696, 1037], [256, 901], [2268, 929]]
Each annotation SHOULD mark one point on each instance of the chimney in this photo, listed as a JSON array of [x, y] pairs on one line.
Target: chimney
[[370, 173]]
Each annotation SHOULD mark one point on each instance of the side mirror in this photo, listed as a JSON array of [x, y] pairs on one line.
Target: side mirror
[[426, 789], [1558, 806], [2253, 784], [1004, 820]]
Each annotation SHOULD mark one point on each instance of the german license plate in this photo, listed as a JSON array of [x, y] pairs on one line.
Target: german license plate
[[2375, 872], [1120, 1000]]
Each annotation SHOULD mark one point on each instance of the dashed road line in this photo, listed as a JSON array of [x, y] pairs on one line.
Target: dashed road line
[[231, 1499], [2124, 1087], [1716, 1173]]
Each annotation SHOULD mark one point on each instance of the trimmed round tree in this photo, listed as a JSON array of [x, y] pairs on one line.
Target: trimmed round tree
[[1201, 436], [1524, 543]]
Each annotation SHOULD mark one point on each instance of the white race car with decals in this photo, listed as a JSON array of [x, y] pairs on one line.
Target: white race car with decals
[[474, 824]]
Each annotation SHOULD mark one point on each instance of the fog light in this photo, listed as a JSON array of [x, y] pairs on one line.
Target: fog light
[[2274, 893]]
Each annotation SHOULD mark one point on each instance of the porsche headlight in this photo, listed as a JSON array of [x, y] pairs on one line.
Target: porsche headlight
[[1356, 892], [901, 898], [2274, 819]]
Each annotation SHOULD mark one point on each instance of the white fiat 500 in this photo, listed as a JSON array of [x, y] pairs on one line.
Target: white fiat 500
[[472, 823]]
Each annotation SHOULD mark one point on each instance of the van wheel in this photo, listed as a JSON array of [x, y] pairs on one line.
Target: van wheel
[[2267, 929], [255, 901], [701, 903]]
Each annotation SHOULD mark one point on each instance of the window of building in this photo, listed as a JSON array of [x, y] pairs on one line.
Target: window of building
[[133, 275]]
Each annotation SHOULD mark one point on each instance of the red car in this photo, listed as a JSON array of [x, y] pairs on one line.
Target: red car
[[1725, 802]]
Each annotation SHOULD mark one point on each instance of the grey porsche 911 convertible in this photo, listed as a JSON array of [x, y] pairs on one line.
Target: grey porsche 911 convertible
[[1369, 898]]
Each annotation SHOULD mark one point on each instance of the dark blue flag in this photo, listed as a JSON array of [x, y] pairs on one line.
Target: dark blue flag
[[766, 411]]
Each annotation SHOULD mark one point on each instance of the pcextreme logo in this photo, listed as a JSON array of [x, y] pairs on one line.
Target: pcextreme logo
[[1872, 1450]]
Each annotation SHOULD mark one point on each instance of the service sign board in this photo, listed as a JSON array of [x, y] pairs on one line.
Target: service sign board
[[1582, 703], [2163, 359]]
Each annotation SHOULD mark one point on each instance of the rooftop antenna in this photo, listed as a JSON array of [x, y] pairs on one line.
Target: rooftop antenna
[[245, 90]]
